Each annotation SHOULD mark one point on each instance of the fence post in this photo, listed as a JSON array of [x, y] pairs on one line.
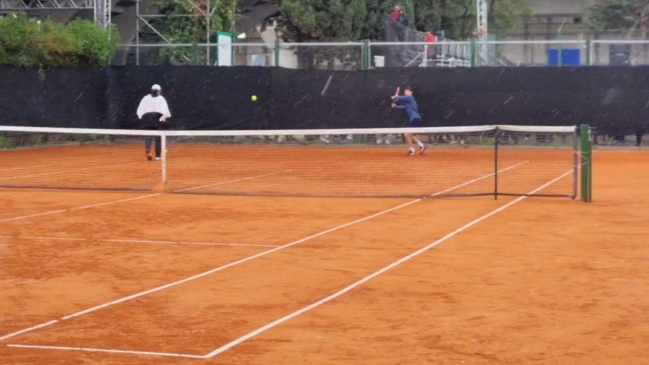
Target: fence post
[[560, 48], [195, 52], [588, 55], [276, 52], [365, 54], [473, 53]]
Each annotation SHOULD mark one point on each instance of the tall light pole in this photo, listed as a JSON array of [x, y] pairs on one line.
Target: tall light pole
[[483, 25]]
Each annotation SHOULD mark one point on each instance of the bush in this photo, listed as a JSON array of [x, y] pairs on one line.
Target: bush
[[25, 42]]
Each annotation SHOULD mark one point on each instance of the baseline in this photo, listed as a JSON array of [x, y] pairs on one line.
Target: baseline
[[112, 351]]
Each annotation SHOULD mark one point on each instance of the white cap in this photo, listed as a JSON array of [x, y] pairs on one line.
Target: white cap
[[156, 87]]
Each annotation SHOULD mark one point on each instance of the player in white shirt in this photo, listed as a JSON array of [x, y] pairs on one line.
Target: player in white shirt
[[153, 113]]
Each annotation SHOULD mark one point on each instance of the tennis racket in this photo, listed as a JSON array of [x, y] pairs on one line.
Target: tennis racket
[[396, 93]]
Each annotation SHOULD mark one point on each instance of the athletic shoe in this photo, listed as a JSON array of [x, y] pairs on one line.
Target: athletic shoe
[[422, 149], [157, 158], [411, 153], [149, 157]]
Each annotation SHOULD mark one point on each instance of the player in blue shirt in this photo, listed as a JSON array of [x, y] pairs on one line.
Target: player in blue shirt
[[408, 102]]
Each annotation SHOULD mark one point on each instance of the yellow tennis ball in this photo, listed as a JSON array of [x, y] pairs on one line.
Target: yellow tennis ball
[[254, 98]]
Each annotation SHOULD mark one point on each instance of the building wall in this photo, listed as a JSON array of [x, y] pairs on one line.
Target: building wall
[[571, 16], [564, 7]]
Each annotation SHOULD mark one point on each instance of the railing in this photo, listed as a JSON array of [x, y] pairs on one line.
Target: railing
[[367, 55]]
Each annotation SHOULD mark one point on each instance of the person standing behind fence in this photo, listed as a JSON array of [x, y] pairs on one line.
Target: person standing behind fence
[[395, 13], [153, 113], [430, 38], [403, 19]]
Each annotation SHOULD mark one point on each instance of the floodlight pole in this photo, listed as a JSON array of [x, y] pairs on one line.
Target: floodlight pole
[[482, 25]]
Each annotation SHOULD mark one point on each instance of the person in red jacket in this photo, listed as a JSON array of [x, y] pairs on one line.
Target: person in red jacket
[[395, 13], [430, 38]]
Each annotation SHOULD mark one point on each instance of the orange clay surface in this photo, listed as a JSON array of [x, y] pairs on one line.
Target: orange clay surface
[[545, 281]]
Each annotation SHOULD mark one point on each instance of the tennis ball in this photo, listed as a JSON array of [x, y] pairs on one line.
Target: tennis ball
[[254, 98]]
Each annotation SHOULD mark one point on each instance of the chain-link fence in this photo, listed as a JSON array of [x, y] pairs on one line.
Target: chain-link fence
[[367, 55]]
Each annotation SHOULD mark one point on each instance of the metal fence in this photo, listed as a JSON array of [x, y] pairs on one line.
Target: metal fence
[[367, 55]]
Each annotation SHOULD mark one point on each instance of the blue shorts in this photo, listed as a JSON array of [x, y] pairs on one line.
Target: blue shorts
[[416, 123]]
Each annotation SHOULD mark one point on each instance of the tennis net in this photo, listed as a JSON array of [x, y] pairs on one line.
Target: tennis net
[[458, 161]]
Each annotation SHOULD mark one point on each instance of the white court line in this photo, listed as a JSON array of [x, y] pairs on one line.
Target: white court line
[[235, 263], [28, 329], [88, 349], [135, 240], [231, 181], [206, 273], [376, 273], [78, 208], [118, 201], [478, 179], [190, 243]]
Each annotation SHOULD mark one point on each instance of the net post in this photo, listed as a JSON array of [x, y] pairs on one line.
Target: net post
[[496, 137], [586, 151], [575, 161], [163, 147]]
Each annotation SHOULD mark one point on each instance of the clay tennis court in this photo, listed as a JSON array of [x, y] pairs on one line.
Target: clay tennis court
[[153, 278]]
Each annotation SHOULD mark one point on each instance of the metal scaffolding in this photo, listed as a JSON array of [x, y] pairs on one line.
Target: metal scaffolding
[[27, 5], [143, 22], [101, 8], [103, 12]]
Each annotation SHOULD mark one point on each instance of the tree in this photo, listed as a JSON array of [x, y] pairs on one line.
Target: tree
[[304, 21], [458, 17], [33, 43], [187, 22], [622, 15], [322, 21]]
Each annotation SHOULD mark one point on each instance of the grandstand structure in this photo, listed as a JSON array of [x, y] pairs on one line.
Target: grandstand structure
[[65, 10], [441, 55]]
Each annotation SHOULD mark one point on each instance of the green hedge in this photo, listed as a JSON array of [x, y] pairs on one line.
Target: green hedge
[[26, 42]]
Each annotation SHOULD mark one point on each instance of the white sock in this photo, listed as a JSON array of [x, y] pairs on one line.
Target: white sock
[[412, 149], [420, 143]]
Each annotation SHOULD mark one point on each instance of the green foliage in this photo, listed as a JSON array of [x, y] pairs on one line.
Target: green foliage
[[187, 22], [618, 15], [29, 43], [458, 17], [323, 21], [505, 14], [316, 20], [375, 16], [92, 42]]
